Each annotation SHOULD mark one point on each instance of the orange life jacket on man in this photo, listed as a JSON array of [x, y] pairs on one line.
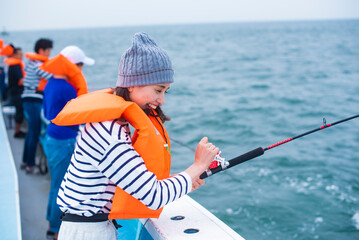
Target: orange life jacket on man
[[36, 57], [62, 66], [149, 140]]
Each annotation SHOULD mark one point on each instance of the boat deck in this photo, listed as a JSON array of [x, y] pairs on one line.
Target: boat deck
[[33, 190], [9, 204]]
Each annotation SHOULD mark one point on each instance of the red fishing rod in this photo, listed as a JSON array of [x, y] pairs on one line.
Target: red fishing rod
[[222, 165]]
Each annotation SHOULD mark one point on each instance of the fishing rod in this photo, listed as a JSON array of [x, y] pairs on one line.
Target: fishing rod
[[222, 165]]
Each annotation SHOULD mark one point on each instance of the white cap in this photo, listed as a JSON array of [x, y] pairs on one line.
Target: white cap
[[76, 55]]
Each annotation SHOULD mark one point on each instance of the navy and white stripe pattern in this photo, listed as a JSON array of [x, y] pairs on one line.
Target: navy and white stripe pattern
[[103, 159], [32, 79]]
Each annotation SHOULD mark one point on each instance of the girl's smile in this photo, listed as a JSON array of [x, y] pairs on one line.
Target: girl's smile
[[149, 96]]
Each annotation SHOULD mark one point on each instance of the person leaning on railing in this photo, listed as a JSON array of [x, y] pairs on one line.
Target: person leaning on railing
[[112, 176]]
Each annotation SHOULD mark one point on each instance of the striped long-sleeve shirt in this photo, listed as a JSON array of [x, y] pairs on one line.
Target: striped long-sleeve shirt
[[32, 79], [103, 159]]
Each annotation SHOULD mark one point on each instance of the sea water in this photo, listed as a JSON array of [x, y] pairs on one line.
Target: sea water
[[249, 85]]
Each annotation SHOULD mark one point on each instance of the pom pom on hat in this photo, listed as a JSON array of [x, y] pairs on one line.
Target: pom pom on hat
[[144, 63]]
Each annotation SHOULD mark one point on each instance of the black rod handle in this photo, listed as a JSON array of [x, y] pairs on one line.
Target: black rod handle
[[235, 161]]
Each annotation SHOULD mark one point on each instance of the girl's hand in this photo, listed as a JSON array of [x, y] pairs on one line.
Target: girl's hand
[[197, 183], [205, 153], [204, 156]]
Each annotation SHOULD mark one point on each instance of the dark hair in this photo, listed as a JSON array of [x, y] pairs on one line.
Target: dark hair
[[125, 94], [42, 43], [12, 45], [16, 49]]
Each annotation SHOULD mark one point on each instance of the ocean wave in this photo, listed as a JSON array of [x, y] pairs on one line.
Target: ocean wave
[[355, 220]]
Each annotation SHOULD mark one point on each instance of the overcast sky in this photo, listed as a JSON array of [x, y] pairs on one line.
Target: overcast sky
[[60, 14]]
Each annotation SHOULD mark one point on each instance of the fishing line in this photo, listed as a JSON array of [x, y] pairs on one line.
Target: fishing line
[[260, 151], [183, 145]]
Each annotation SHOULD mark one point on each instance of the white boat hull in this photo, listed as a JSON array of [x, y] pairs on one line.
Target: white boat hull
[[183, 219]]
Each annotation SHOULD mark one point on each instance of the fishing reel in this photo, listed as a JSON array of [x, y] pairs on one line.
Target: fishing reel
[[219, 161]]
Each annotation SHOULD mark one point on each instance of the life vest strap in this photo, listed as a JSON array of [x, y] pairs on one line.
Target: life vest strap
[[99, 217]]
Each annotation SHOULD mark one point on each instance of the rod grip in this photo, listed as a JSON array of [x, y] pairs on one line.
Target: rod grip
[[235, 161], [245, 157]]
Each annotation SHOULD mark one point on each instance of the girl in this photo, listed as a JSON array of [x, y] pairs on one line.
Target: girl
[[112, 176]]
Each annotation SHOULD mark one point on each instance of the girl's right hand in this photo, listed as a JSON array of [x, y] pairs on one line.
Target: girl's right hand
[[205, 153]]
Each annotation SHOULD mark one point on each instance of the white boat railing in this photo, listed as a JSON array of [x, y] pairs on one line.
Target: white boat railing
[[183, 219], [10, 224]]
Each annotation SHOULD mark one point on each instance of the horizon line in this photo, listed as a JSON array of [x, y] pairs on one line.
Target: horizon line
[[4, 31]]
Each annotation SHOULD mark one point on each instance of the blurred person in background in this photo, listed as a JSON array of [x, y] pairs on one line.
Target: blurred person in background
[[15, 87], [32, 100]]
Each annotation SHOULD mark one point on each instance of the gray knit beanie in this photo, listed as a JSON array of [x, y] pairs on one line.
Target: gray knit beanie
[[144, 63]]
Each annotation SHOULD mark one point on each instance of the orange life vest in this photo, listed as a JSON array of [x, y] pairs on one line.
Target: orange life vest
[[1, 43], [11, 61], [36, 57], [7, 50], [62, 66], [148, 140]]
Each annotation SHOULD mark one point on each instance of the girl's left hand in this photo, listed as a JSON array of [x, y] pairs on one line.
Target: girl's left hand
[[197, 183]]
